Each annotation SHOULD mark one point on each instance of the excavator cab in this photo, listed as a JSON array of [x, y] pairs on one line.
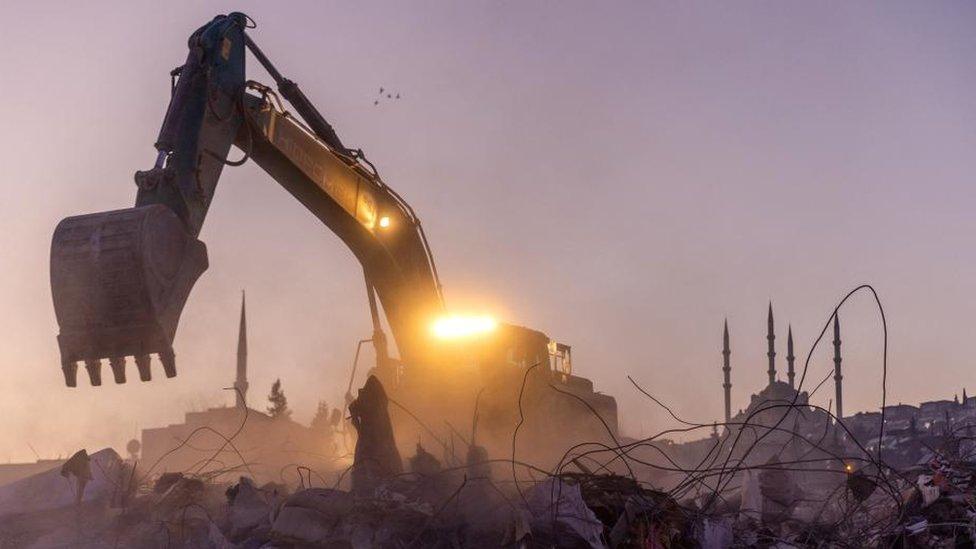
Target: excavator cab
[[508, 375]]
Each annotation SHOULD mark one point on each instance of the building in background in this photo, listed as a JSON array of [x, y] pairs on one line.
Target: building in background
[[10, 472], [238, 440], [808, 448]]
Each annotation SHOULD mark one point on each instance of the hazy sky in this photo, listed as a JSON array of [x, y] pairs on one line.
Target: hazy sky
[[621, 176]]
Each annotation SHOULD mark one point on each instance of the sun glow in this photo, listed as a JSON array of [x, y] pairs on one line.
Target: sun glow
[[457, 326]]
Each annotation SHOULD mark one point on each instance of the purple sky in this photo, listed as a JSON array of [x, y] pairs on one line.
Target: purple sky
[[620, 176]]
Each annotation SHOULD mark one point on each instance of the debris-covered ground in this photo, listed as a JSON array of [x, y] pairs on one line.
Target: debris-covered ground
[[433, 508], [597, 496], [103, 501]]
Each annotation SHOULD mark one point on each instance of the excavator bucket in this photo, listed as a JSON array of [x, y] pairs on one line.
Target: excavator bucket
[[119, 281]]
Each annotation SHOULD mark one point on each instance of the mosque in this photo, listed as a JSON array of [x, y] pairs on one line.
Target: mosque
[[781, 403], [811, 448]]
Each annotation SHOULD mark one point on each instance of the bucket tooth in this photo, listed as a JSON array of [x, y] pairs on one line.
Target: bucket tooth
[[142, 364], [118, 368], [94, 368], [168, 358], [70, 370], [119, 281]]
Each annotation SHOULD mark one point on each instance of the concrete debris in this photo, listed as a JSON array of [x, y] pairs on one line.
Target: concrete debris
[[931, 504], [101, 477], [424, 463], [217, 539], [322, 517], [860, 485], [751, 496], [929, 492], [183, 510], [166, 481], [939, 510], [917, 528], [714, 534], [560, 516], [779, 492], [250, 510]]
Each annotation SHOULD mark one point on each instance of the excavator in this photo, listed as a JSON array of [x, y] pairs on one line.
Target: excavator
[[121, 278]]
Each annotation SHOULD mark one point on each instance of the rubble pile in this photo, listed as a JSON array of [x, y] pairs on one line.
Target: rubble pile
[[387, 501], [183, 511], [932, 504], [940, 505]]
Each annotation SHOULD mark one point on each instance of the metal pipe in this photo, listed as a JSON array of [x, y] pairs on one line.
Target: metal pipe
[[293, 94]]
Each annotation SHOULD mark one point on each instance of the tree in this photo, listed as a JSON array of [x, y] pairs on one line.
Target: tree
[[320, 422], [279, 404]]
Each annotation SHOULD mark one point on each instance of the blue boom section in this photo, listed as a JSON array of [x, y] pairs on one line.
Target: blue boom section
[[200, 124]]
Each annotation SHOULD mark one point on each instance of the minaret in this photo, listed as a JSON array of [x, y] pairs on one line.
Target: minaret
[[790, 372], [837, 375], [727, 369], [771, 337], [241, 383]]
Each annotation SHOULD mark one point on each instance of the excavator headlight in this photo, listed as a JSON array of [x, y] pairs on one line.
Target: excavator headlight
[[458, 326], [384, 222]]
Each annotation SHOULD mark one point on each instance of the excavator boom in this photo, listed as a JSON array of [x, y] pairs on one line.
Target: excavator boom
[[120, 279]]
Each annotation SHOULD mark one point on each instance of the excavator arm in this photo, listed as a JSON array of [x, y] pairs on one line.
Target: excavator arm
[[120, 279]]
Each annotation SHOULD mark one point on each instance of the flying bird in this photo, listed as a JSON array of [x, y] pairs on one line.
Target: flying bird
[[385, 94]]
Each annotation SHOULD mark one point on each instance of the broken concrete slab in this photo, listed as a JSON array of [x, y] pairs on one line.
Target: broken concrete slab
[[110, 476], [560, 515], [320, 516], [250, 510]]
